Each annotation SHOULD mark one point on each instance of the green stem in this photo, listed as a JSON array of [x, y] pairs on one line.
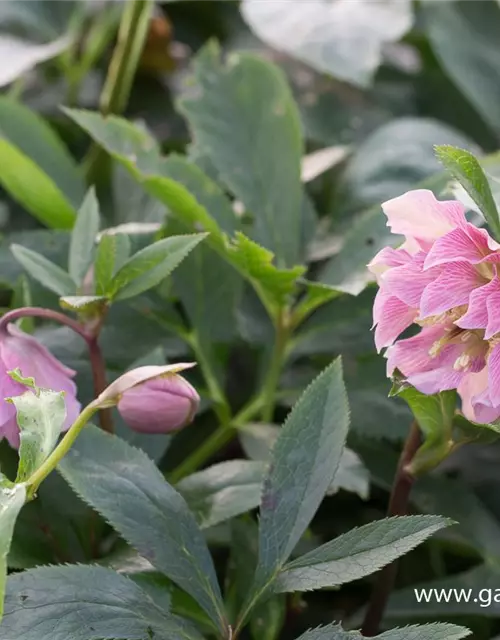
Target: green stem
[[221, 405], [123, 66], [271, 381], [62, 448], [219, 438]]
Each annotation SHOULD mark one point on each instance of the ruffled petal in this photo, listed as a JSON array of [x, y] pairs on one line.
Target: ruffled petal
[[409, 281], [451, 289], [493, 309], [418, 214], [387, 258], [393, 318], [477, 313], [412, 355], [494, 375], [458, 245]]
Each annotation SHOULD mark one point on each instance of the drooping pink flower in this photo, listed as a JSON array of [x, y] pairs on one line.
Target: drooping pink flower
[[19, 350], [445, 279]]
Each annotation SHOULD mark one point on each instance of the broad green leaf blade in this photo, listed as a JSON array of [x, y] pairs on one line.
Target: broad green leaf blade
[[434, 631], [85, 603], [244, 118], [34, 137], [358, 553], [124, 485], [304, 462], [258, 441], [465, 168], [223, 491], [33, 189], [463, 36], [83, 237], [151, 265], [166, 179], [329, 36], [44, 271], [40, 417], [113, 252], [12, 499]]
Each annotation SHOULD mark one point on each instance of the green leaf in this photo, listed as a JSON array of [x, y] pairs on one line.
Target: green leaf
[[463, 36], [304, 462], [85, 603], [165, 179], [113, 252], [34, 137], [33, 188], [83, 237], [465, 168], [223, 491], [358, 553], [276, 285], [316, 295], [258, 441], [40, 416], [434, 415], [12, 499], [151, 265], [125, 486], [244, 118], [434, 631], [267, 619], [44, 271], [468, 431]]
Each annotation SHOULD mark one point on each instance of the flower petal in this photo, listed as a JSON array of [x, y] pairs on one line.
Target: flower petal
[[451, 289], [493, 309], [419, 214], [387, 258], [393, 318], [409, 281], [412, 355], [494, 375], [477, 313], [467, 243]]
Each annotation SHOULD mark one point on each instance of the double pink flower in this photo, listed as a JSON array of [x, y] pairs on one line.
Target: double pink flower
[[444, 278]]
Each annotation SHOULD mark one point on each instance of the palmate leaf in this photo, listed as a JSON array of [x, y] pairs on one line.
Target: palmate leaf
[[125, 486], [434, 631], [357, 553], [85, 603], [177, 183]]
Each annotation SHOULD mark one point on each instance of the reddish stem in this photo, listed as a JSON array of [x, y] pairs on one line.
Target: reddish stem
[[398, 506], [48, 314], [100, 383]]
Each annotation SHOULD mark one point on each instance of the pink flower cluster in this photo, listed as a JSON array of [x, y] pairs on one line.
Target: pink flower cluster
[[444, 278]]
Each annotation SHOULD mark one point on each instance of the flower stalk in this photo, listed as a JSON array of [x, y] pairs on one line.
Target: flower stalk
[[398, 506]]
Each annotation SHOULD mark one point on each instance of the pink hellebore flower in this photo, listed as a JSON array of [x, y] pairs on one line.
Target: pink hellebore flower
[[445, 279], [19, 350]]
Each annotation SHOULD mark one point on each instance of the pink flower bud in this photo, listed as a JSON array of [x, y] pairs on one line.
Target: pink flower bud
[[19, 350], [159, 405]]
